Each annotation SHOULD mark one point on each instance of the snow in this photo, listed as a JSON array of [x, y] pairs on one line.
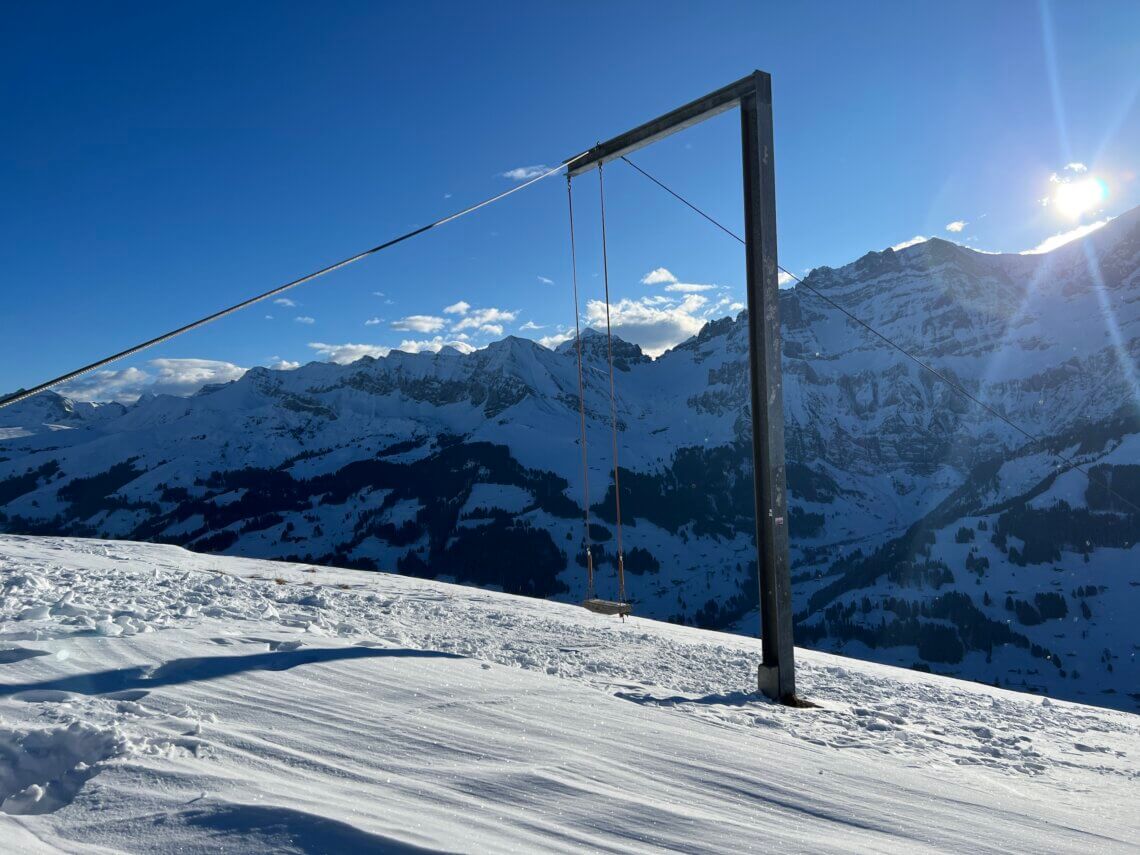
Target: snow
[[152, 699]]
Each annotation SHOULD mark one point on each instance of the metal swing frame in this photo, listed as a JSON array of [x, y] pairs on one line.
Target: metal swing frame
[[753, 95]]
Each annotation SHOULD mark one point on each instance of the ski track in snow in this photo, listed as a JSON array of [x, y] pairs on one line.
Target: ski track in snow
[[153, 699]]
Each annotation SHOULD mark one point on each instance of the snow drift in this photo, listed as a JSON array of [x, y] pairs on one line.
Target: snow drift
[[157, 700]]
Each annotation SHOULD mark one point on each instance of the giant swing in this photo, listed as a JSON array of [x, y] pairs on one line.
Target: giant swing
[[753, 95]]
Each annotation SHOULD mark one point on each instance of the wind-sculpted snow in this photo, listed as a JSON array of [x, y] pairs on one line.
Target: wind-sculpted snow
[[467, 467], [178, 702]]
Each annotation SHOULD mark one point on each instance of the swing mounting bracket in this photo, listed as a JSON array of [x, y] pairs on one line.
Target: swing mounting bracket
[[753, 95]]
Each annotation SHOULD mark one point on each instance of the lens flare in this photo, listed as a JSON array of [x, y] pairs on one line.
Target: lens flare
[[1074, 198]]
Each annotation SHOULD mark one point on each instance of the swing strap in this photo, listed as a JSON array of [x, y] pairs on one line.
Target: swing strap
[[613, 396], [581, 400]]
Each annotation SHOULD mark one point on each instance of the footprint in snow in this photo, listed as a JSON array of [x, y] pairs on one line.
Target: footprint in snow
[[284, 646], [1080, 746], [50, 766], [12, 655], [45, 696], [127, 695]]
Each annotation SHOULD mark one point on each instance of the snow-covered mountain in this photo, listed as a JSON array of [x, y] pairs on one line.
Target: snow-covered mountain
[[925, 532]]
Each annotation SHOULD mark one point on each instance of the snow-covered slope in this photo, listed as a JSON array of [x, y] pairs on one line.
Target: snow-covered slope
[[156, 700], [924, 531]]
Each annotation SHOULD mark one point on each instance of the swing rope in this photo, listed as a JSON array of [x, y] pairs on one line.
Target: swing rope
[[581, 400], [613, 396]]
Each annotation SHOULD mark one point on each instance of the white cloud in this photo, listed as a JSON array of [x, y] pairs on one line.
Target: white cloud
[[482, 319], [377, 293], [552, 341], [664, 276], [285, 301], [125, 384], [956, 226], [305, 319], [434, 345], [342, 354], [545, 281], [524, 173], [657, 276], [654, 326], [371, 322], [914, 241], [1051, 243], [492, 329], [181, 376], [419, 323], [161, 377], [269, 317], [459, 308], [1077, 167], [784, 280], [531, 325], [284, 365], [736, 308]]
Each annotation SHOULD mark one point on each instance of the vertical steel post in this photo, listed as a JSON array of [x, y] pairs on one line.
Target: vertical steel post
[[776, 676]]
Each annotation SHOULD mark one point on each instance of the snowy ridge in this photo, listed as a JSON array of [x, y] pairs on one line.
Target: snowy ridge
[[152, 699], [924, 532]]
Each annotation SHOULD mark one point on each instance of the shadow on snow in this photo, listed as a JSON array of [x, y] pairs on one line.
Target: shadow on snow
[[201, 668]]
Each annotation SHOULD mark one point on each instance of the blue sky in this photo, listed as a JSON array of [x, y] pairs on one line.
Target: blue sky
[[162, 161]]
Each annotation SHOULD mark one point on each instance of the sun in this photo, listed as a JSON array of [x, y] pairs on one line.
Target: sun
[[1074, 198]]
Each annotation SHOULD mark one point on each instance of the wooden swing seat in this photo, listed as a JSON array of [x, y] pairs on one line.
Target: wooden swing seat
[[607, 607]]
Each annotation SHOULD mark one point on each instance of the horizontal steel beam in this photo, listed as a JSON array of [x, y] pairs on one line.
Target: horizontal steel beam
[[676, 120]]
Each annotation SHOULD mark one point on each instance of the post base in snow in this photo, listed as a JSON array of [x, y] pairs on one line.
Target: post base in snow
[[768, 681]]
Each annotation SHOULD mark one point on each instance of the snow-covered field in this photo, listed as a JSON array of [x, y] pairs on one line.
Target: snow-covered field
[[152, 699]]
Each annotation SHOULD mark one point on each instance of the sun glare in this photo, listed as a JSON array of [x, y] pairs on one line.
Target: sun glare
[[1074, 198]]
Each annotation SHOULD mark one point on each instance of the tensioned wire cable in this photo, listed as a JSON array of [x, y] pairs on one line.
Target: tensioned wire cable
[[957, 387], [273, 292]]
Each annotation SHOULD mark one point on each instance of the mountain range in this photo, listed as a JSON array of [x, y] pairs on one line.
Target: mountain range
[[925, 531]]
